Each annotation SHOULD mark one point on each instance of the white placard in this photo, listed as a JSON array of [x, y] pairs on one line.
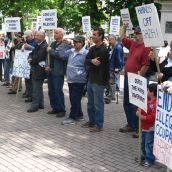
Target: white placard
[[149, 23], [137, 90], [38, 22], [49, 19], [114, 25], [12, 24], [2, 50], [125, 16], [86, 24], [163, 128], [21, 67]]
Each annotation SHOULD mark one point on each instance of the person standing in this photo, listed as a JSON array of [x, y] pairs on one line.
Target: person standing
[[97, 64], [138, 63], [37, 59], [56, 71]]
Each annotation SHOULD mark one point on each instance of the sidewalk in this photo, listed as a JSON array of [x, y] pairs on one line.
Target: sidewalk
[[37, 142]]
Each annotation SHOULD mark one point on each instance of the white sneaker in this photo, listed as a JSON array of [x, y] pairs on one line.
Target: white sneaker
[[68, 121]]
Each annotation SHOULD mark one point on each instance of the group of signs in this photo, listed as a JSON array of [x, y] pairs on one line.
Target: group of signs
[[148, 21]]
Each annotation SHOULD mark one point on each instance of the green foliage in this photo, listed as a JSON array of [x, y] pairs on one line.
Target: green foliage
[[70, 12]]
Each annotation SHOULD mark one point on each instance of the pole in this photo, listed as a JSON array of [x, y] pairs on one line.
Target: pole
[[49, 45], [139, 141]]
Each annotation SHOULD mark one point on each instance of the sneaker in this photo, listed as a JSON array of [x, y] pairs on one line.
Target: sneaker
[[95, 129], [68, 121], [147, 164], [87, 125], [80, 118], [126, 129]]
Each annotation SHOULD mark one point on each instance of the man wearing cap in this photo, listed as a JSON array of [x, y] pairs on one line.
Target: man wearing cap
[[56, 70], [138, 63], [76, 77], [29, 45], [97, 63]]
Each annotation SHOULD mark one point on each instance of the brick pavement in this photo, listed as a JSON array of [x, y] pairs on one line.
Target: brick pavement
[[37, 142]]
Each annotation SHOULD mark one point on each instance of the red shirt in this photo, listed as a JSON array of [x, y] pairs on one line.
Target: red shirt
[[150, 115], [137, 57]]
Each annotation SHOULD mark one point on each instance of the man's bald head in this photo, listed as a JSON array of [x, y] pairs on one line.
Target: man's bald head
[[58, 34]]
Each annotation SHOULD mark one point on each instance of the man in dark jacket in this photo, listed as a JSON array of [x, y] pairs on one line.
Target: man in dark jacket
[[97, 62], [37, 60]]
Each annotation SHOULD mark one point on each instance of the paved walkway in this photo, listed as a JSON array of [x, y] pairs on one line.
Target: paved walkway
[[37, 142]]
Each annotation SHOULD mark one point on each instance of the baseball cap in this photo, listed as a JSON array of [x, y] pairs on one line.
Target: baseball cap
[[27, 33], [137, 30], [79, 38]]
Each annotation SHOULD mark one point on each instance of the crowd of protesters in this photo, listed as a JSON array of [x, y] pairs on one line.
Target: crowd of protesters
[[92, 66]]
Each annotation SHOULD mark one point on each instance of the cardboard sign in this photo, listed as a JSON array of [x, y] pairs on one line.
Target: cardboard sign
[[137, 90], [2, 50], [12, 24], [163, 128], [125, 16], [86, 24], [149, 23], [21, 67], [114, 25], [49, 19]]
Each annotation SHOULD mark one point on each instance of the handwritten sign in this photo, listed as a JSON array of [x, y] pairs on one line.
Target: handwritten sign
[[21, 66], [137, 90], [2, 50], [149, 23], [115, 25], [163, 128], [49, 19], [86, 24], [125, 16], [12, 24], [38, 22]]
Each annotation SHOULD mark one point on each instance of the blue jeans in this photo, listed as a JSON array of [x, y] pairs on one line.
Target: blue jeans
[[75, 96], [147, 146], [7, 66], [129, 109], [55, 92], [95, 106]]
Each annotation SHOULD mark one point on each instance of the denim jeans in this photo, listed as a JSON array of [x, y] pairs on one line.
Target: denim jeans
[[55, 92], [129, 109], [95, 106], [7, 66], [147, 146], [75, 96]]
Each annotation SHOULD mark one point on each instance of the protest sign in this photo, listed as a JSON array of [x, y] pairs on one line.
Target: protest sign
[[12, 24], [137, 90], [125, 16], [2, 50], [163, 128], [49, 19], [38, 22], [114, 25], [86, 24], [21, 67], [149, 23]]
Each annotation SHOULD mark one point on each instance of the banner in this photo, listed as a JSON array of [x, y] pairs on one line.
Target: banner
[[49, 19], [2, 50], [149, 23], [12, 24], [114, 25], [21, 67], [137, 90], [163, 128], [38, 22], [86, 24], [125, 16]]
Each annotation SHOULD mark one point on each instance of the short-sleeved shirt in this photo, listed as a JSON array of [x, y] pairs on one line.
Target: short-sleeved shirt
[[137, 57]]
